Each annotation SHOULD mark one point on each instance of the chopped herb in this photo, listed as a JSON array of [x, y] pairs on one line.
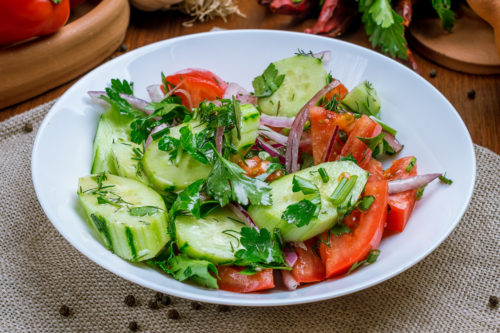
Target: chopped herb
[[144, 211], [348, 158], [333, 104], [410, 165], [445, 180], [420, 192], [340, 229], [188, 200], [302, 212], [160, 133], [304, 185], [327, 242], [343, 189], [373, 142], [372, 257], [365, 203], [266, 84], [324, 175]]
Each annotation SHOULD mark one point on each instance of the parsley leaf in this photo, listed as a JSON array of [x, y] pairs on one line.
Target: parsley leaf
[[188, 200], [143, 211], [384, 26], [266, 84], [199, 271], [114, 99], [372, 257], [122, 86], [227, 182], [261, 249], [304, 185], [190, 144], [446, 15], [302, 212]]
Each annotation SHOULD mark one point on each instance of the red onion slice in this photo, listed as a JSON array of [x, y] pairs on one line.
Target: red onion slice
[[242, 214], [331, 144], [135, 102], [240, 93], [155, 93], [270, 149], [413, 183], [186, 94], [288, 280], [393, 142], [270, 134], [325, 56], [219, 133], [290, 256], [281, 122], [292, 150]]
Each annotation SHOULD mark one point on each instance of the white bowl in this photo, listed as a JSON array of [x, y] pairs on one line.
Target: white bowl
[[428, 125]]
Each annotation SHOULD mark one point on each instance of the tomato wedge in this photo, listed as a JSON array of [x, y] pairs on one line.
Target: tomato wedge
[[232, 280], [374, 167], [197, 85], [365, 128], [339, 90], [400, 204], [308, 267], [346, 249]]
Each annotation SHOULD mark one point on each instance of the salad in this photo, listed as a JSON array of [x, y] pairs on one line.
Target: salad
[[232, 190]]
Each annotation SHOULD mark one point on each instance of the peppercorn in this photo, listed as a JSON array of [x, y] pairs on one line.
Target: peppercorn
[[28, 127], [433, 73], [153, 304], [471, 93], [123, 47], [130, 300], [223, 308], [165, 300], [173, 314], [195, 305], [158, 296], [133, 326], [64, 311], [493, 302]]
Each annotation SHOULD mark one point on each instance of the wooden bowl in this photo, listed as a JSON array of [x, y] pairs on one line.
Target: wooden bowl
[[32, 68]]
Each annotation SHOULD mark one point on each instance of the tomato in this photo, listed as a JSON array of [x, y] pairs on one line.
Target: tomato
[[339, 90], [400, 204], [199, 84], [232, 280], [255, 166], [346, 249], [374, 167], [308, 267], [365, 128]]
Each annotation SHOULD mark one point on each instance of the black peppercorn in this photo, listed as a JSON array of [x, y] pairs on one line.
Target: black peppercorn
[[123, 48], [433, 73], [195, 305], [28, 127], [471, 93], [158, 296], [223, 308], [493, 302], [165, 300], [130, 300], [153, 304], [173, 314], [64, 311], [133, 326]]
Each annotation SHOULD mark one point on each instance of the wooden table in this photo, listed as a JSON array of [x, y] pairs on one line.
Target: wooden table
[[481, 114]]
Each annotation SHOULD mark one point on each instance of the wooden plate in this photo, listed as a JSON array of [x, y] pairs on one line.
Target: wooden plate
[[32, 68]]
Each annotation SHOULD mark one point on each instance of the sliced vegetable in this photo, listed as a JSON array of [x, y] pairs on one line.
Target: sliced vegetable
[[363, 99], [231, 279], [308, 267], [365, 128]]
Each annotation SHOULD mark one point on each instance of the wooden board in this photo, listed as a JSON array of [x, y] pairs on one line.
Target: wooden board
[[32, 68], [469, 48]]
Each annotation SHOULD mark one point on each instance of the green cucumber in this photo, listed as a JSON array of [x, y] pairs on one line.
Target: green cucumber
[[127, 159], [216, 237], [129, 216], [304, 77], [363, 99], [167, 176], [248, 120], [112, 125], [269, 217]]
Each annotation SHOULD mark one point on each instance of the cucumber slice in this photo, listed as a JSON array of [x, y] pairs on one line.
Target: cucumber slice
[[110, 203], [127, 160], [304, 77], [166, 175], [248, 119], [269, 217], [363, 99], [112, 125], [216, 237]]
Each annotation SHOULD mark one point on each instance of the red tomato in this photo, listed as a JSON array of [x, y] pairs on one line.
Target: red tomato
[[255, 167], [232, 280], [199, 84], [365, 128], [340, 90], [374, 167], [308, 267], [400, 204], [347, 249]]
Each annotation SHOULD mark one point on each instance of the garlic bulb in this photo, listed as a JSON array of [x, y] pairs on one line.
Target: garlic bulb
[[152, 5]]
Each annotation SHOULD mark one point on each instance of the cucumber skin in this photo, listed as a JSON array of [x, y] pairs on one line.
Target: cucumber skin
[[304, 77], [269, 217], [250, 121], [121, 233], [163, 174], [112, 125], [363, 99], [204, 238]]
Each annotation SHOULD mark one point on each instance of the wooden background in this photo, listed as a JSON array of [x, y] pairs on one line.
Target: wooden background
[[481, 114]]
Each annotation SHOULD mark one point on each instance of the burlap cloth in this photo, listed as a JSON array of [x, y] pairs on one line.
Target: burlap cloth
[[40, 271]]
